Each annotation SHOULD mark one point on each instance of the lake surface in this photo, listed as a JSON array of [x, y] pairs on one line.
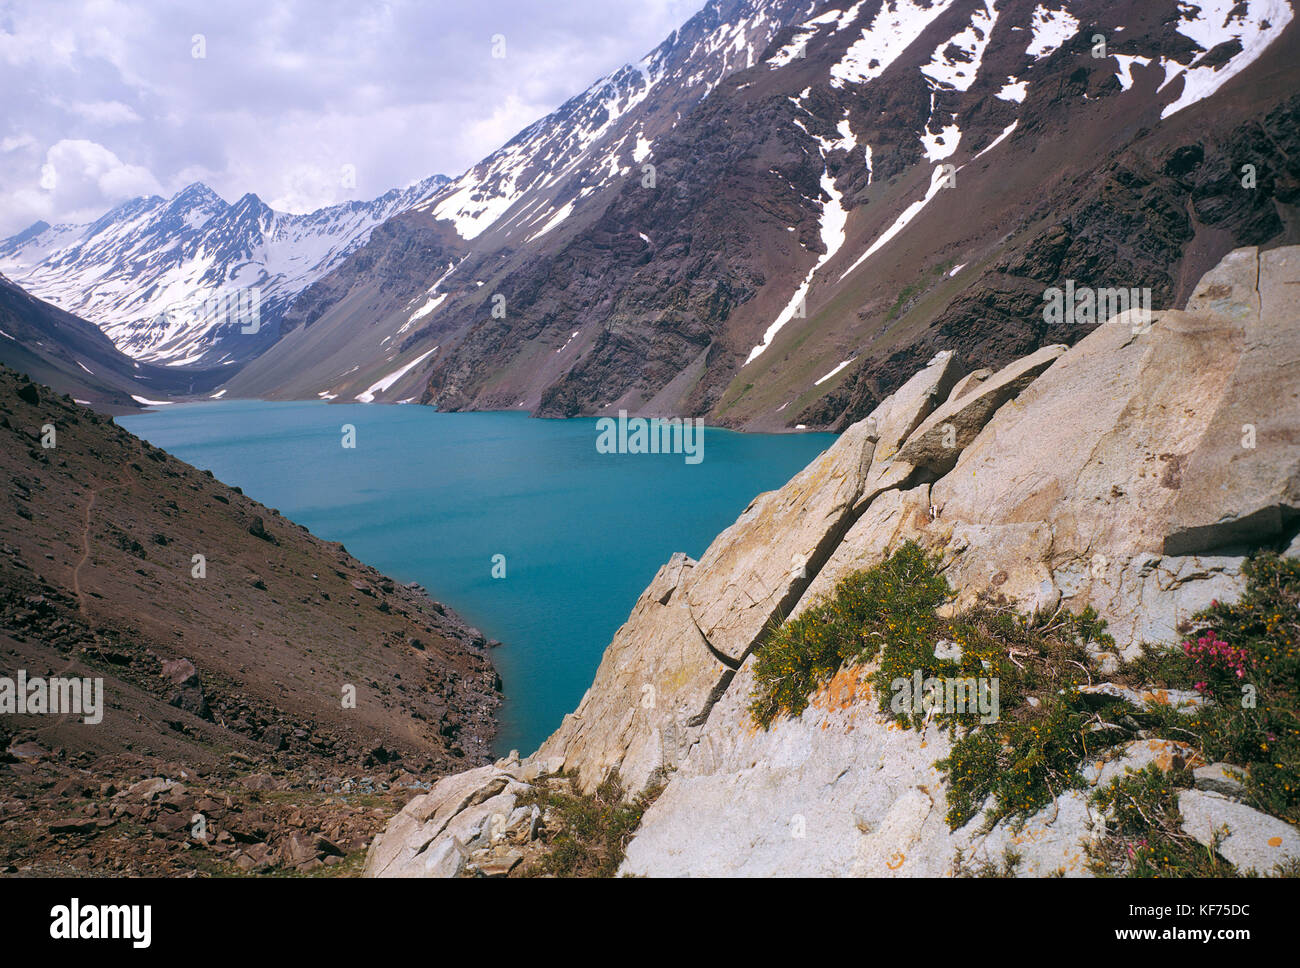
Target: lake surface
[[433, 497]]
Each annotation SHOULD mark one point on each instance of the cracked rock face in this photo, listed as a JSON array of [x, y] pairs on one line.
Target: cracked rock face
[[1132, 472], [695, 623], [939, 440], [758, 566], [655, 682], [1121, 477]]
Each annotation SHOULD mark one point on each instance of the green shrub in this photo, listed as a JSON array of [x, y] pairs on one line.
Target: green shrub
[[1264, 738], [1045, 729], [1144, 836], [894, 602], [586, 835], [1253, 721], [1023, 765]]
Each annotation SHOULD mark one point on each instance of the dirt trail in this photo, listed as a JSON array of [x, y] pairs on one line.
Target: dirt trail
[[85, 556]]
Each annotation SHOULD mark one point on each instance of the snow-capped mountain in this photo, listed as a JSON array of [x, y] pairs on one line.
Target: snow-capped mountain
[[795, 250], [549, 180], [193, 280], [771, 219], [605, 134]]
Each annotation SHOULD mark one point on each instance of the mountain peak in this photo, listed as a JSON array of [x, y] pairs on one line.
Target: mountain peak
[[197, 191], [33, 230]]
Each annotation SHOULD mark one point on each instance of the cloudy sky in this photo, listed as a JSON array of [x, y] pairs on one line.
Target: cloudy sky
[[105, 100]]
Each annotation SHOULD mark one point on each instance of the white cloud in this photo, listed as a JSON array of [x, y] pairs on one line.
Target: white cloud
[[290, 91], [105, 112], [77, 181], [84, 166], [16, 142], [306, 188]]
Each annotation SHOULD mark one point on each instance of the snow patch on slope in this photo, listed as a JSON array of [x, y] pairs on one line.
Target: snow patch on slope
[[833, 220], [956, 61], [837, 369], [1125, 72], [1013, 90], [1006, 133], [368, 395], [425, 310], [1213, 22], [565, 210], [939, 145], [937, 180], [890, 32], [1051, 29]]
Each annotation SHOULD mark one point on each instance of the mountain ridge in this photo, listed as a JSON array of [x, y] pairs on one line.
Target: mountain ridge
[[166, 278], [748, 224], [667, 300]]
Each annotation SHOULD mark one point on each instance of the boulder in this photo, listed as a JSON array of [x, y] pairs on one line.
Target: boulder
[[187, 690], [1051, 843], [870, 540], [936, 444], [1253, 840], [499, 863], [796, 799], [1116, 481], [1182, 700], [398, 850], [445, 859], [1220, 778], [150, 788], [1164, 754], [1230, 290], [758, 567], [969, 382], [1240, 486], [897, 416]]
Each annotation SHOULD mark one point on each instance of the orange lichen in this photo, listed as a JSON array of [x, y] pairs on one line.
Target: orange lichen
[[846, 688]]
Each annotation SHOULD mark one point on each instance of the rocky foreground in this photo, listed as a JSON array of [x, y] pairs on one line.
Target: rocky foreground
[[1133, 473], [266, 705]]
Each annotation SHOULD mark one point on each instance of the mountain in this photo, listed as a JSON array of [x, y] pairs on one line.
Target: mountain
[[801, 252], [1047, 534], [74, 357], [168, 279], [220, 686], [375, 326]]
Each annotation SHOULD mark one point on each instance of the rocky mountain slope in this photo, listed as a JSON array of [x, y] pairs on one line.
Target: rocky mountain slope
[[374, 327], [239, 687], [1131, 474], [771, 220], [795, 251], [169, 279], [75, 357]]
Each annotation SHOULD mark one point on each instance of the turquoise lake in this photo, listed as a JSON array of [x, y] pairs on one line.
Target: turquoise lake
[[433, 497]]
